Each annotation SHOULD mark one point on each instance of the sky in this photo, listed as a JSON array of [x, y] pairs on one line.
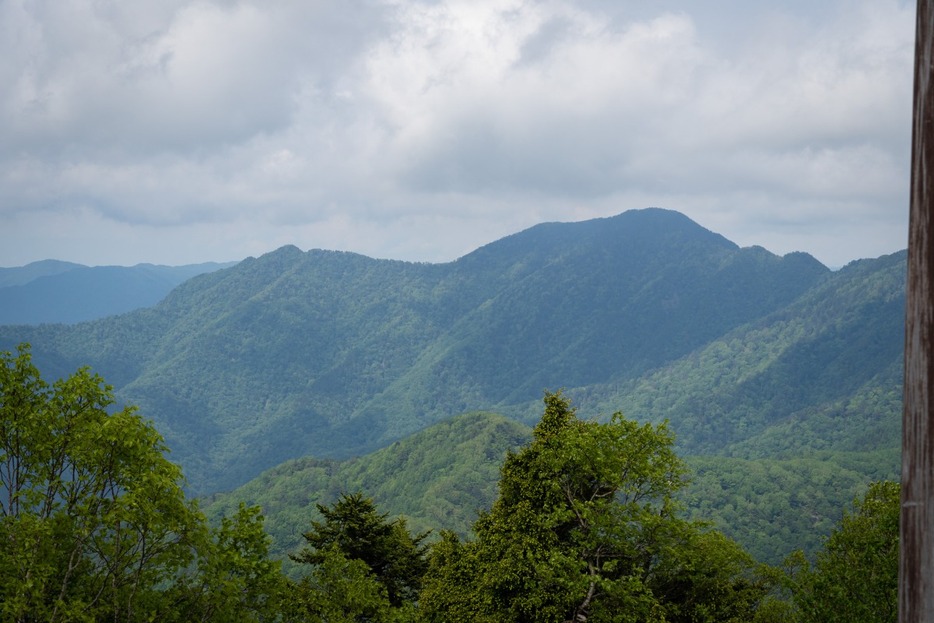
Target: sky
[[176, 132]]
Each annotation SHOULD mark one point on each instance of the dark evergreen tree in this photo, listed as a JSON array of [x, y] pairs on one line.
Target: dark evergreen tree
[[354, 528]]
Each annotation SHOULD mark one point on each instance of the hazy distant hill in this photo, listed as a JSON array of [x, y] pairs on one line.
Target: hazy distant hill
[[54, 291], [21, 275], [332, 354]]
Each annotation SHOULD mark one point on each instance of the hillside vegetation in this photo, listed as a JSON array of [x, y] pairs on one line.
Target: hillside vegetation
[[296, 377], [437, 478], [584, 526], [440, 478], [334, 354]]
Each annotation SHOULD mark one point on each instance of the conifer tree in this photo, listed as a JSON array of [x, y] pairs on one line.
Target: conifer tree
[[355, 529]]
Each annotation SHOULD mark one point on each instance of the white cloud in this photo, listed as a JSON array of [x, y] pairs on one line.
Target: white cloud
[[470, 113], [421, 130]]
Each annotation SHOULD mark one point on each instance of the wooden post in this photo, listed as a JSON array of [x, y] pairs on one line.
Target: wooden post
[[916, 567]]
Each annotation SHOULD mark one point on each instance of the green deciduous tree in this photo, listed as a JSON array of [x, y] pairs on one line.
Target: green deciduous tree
[[235, 579], [855, 576], [94, 524], [93, 518], [585, 528]]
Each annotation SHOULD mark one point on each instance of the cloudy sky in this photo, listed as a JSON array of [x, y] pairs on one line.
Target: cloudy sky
[[172, 132]]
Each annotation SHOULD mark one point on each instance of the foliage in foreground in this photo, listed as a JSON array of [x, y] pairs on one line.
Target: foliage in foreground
[[586, 528], [94, 525], [363, 566], [855, 576]]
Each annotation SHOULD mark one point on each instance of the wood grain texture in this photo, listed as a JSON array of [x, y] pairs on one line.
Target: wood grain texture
[[916, 571]]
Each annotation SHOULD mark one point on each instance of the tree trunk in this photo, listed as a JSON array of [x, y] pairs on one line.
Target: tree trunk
[[916, 567]]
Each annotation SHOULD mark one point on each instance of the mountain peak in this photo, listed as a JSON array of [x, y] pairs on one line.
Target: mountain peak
[[634, 235], [22, 275], [284, 252]]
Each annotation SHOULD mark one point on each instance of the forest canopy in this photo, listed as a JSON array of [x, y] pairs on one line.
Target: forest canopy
[[586, 526]]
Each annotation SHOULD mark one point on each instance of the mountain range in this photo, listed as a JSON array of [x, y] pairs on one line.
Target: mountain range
[[52, 291], [753, 358]]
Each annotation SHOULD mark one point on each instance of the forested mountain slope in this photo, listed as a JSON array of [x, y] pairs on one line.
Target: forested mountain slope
[[332, 354], [823, 373], [565, 305], [801, 406], [441, 477], [438, 478], [54, 291]]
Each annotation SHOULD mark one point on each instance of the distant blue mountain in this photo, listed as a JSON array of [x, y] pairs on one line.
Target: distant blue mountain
[[51, 291], [22, 275]]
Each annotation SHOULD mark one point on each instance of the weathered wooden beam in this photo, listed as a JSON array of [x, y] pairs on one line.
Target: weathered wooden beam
[[916, 567]]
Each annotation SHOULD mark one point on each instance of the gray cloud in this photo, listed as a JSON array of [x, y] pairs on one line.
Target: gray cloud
[[182, 131]]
